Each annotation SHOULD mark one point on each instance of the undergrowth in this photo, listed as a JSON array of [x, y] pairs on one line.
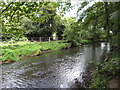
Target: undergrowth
[[104, 71]]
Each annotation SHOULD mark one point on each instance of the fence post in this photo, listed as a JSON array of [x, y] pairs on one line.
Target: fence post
[[32, 40], [49, 39], [40, 39]]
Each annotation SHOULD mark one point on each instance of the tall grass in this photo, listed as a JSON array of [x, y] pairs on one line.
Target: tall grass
[[19, 50]]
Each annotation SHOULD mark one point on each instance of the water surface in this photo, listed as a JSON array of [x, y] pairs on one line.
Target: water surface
[[57, 69]]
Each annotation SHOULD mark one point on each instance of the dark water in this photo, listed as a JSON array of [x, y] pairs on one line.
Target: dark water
[[57, 69]]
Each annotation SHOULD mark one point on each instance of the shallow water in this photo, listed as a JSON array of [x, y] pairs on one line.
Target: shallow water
[[57, 69]]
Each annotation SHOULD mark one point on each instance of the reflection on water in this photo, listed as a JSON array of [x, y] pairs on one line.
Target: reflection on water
[[57, 69]]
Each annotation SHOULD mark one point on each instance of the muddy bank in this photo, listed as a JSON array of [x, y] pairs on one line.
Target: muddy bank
[[114, 82]]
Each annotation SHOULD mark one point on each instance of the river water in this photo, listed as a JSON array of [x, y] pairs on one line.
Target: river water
[[67, 68]]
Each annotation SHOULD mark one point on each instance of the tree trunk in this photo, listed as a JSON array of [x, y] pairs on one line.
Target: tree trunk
[[118, 36], [107, 21]]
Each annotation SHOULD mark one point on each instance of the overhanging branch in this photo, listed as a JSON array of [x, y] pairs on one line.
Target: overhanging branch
[[6, 8]]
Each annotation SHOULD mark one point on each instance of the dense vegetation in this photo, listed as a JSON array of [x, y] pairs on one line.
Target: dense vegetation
[[23, 21], [104, 72]]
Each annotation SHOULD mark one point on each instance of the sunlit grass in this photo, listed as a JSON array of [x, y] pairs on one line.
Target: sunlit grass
[[17, 50]]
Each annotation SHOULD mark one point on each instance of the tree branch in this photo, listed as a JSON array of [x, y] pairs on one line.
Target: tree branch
[[16, 10], [6, 8]]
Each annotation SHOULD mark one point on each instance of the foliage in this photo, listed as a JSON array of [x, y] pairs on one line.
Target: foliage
[[104, 71], [74, 31], [18, 39], [69, 32], [31, 18], [94, 20], [100, 19], [84, 41], [115, 29], [85, 28], [44, 18]]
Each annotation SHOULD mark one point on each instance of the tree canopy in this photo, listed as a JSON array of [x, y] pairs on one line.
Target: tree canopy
[[44, 18]]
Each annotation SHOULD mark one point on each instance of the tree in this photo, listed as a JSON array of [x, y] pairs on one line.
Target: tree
[[107, 21], [40, 14]]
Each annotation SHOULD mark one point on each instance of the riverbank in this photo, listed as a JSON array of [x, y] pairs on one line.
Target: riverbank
[[17, 51], [106, 74]]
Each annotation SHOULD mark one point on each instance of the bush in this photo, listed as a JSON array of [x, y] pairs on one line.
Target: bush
[[17, 39]]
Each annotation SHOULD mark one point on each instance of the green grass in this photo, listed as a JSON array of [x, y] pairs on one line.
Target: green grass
[[28, 49]]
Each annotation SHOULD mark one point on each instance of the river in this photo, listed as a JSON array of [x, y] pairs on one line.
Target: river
[[67, 68]]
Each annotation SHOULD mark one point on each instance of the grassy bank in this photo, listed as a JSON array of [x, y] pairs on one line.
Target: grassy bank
[[18, 50], [104, 72]]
